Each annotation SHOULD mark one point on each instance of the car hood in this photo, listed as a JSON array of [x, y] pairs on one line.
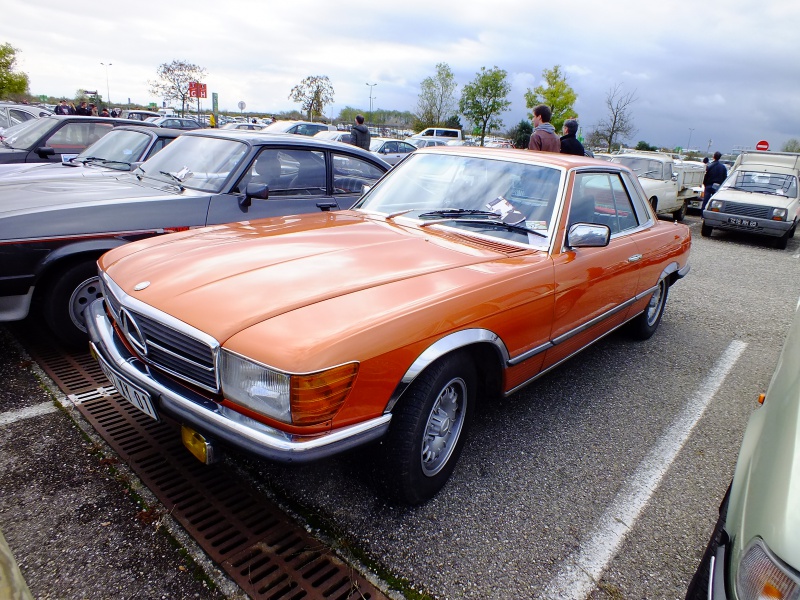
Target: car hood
[[29, 196], [246, 273], [19, 172], [729, 195], [766, 489]]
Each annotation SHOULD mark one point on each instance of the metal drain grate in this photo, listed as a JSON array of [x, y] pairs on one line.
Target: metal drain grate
[[262, 550]]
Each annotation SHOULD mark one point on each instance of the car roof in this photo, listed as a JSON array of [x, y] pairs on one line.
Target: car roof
[[99, 120], [565, 161], [166, 132]]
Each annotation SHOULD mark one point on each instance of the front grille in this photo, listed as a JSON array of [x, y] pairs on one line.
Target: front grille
[[747, 210], [177, 352]]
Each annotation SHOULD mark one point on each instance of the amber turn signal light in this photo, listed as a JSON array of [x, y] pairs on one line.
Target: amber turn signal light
[[761, 398], [317, 397]]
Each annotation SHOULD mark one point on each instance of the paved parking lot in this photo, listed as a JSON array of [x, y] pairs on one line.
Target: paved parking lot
[[601, 479]]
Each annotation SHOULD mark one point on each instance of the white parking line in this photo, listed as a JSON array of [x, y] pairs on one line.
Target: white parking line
[[29, 412], [579, 574]]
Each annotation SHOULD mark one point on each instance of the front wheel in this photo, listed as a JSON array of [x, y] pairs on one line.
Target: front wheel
[[679, 214], [428, 430], [705, 230], [66, 299], [782, 242], [644, 326]]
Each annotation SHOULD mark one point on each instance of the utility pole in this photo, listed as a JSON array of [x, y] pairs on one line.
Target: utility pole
[[108, 90], [689, 145]]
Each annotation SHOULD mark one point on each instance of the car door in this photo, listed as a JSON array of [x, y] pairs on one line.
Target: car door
[[594, 286], [391, 153], [68, 140], [298, 183]]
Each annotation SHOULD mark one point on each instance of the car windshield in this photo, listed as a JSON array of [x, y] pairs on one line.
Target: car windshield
[[777, 184], [642, 167], [462, 191], [196, 162], [26, 134], [117, 149]]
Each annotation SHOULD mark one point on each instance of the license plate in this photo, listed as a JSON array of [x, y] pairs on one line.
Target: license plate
[[135, 395], [742, 222]]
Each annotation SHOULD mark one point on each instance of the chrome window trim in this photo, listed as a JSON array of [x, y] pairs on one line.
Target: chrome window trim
[[127, 301]]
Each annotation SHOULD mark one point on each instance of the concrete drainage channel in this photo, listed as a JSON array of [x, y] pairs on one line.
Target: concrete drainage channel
[[249, 537]]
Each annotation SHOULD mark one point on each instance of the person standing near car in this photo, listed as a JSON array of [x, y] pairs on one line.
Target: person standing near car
[[716, 173], [359, 134], [543, 138], [83, 110], [64, 109], [570, 144]]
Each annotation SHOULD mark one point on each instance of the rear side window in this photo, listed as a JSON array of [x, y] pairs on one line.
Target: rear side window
[[351, 174]]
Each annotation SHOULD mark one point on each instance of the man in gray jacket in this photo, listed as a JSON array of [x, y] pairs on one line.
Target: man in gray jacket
[[359, 134], [543, 138]]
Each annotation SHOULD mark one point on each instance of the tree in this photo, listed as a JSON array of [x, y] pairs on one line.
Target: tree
[[556, 93], [520, 134], [484, 98], [642, 145], [618, 125], [11, 82], [437, 101], [792, 145], [313, 93], [173, 81]]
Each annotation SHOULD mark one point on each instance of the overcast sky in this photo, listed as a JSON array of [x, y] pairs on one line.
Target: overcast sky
[[722, 74]]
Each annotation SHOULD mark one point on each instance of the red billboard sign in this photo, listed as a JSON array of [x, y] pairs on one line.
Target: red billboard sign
[[197, 90]]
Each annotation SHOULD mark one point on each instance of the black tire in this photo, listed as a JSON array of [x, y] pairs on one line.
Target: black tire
[[428, 429], [680, 214], [66, 298], [654, 204], [698, 586], [644, 326], [782, 242], [705, 230]]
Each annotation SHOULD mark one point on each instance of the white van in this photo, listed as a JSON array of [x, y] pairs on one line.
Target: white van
[[452, 134]]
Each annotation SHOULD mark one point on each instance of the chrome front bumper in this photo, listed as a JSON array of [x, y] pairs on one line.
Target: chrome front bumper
[[212, 419]]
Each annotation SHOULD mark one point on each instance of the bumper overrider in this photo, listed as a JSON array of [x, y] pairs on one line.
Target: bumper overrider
[[213, 420], [720, 220]]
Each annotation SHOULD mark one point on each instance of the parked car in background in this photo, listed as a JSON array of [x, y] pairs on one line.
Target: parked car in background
[[244, 126], [298, 127], [426, 142], [175, 123], [669, 183], [140, 115], [440, 132], [52, 236], [392, 151], [335, 136], [754, 551], [12, 114], [121, 149], [56, 138], [760, 196], [461, 276]]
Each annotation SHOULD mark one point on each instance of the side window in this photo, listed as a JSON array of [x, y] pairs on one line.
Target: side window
[[390, 147], [3, 119], [78, 135], [404, 148], [289, 172], [654, 169], [17, 116], [158, 146], [351, 174], [601, 198], [639, 203]]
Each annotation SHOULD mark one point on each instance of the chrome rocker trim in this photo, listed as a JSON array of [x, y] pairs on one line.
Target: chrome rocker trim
[[218, 421]]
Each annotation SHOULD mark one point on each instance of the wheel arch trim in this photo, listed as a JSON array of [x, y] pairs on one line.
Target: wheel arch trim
[[441, 347]]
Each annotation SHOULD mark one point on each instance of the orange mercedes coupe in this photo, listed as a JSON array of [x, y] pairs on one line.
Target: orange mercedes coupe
[[461, 276]]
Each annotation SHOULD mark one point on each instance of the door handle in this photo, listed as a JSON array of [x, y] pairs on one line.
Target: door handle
[[325, 206], [634, 258]]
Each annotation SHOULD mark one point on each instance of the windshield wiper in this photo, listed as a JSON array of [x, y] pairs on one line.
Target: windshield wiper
[[174, 177], [455, 213], [490, 222], [107, 161]]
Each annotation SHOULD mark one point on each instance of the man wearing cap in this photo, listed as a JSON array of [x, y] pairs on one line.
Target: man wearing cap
[[570, 144], [64, 109]]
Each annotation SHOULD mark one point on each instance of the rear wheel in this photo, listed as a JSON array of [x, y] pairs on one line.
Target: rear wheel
[[428, 430], [654, 204], [645, 325], [679, 214], [66, 299], [705, 230]]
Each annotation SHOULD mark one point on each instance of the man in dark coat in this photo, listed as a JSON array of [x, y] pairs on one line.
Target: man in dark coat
[[569, 142], [64, 109], [83, 110], [359, 134], [716, 173]]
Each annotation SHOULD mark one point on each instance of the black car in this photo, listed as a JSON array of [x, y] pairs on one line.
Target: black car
[[56, 138], [121, 149], [52, 232]]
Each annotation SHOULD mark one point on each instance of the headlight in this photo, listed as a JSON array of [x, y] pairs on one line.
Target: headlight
[[779, 214], [256, 387], [302, 399], [715, 205], [763, 575]]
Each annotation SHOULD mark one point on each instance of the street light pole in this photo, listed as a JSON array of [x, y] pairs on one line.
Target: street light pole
[[689, 145], [108, 89], [371, 85]]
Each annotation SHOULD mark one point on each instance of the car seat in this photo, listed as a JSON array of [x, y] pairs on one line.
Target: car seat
[[581, 210]]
